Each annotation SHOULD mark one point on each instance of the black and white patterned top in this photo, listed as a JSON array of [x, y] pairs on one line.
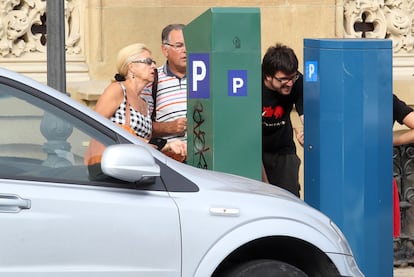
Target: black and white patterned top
[[141, 124]]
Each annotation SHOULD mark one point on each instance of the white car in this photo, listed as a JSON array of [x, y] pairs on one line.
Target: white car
[[145, 214]]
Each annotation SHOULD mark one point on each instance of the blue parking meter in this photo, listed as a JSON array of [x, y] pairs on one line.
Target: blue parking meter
[[348, 143]]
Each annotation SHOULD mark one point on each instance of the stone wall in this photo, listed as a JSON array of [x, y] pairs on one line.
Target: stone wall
[[110, 25], [97, 29], [121, 22]]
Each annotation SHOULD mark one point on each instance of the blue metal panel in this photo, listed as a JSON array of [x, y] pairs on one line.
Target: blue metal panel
[[348, 143]]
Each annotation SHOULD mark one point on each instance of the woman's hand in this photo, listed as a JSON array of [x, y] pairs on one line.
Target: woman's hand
[[176, 149]]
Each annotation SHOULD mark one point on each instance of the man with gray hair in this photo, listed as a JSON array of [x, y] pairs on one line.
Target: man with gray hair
[[168, 97]]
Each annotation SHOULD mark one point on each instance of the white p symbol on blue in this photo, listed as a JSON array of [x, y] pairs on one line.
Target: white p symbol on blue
[[199, 75], [311, 74], [237, 82], [311, 70]]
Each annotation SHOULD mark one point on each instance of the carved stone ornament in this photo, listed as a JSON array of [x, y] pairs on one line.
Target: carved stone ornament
[[393, 19], [23, 27]]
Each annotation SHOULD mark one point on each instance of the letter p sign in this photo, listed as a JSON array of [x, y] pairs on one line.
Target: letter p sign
[[237, 82], [311, 71], [199, 75]]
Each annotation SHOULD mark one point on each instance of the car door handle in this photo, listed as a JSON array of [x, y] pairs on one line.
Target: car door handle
[[10, 203]]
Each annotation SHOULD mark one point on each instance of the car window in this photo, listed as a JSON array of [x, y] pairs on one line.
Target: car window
[[42, 142]]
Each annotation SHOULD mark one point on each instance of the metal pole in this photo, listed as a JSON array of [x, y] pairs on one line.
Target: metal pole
[[55, 130], [55, 30]]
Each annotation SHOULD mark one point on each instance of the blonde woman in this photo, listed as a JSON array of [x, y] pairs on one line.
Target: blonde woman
[[121, 101]]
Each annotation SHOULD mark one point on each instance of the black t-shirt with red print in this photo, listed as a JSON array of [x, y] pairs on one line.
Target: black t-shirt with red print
[[399, 109], [277, 131]]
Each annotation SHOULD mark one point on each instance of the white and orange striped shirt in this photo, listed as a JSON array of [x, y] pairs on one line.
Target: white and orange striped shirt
[[171, 102]]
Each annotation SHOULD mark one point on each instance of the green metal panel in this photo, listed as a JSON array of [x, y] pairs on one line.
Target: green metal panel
[[226, 134]]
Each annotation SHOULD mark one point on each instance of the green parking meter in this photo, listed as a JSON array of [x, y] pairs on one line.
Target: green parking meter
[[224, 91]]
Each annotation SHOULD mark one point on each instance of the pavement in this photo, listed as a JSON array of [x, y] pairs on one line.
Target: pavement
[[404, 271]]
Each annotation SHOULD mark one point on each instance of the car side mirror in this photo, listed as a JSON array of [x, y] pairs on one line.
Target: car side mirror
[[129, 162]]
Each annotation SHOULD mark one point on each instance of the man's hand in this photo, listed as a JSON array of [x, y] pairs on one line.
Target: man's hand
[[175, 127], [299, 136], [180, 125]]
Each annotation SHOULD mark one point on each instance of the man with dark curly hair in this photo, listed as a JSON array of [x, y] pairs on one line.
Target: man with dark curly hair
[[282, 89]]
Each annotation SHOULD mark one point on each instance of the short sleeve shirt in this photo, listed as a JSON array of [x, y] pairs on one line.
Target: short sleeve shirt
[[141, 124], [277, 130], [400, 109]]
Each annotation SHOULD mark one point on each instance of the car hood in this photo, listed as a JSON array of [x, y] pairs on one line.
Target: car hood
[[257, 199], [220, 181]]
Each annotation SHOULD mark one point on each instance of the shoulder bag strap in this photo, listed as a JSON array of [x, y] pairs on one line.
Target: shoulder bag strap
[[154, 94], [127, 108]]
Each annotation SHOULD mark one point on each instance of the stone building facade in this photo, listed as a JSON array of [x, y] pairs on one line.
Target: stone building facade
[[97, 29]]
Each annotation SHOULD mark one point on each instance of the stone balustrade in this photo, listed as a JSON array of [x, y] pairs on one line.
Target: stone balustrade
[[87, 92]]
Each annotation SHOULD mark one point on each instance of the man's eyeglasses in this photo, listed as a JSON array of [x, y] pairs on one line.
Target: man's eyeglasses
[[179, 46], [147, 61], [286, 80]]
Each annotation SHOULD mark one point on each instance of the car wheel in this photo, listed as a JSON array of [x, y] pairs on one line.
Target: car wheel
[[266, 268]]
